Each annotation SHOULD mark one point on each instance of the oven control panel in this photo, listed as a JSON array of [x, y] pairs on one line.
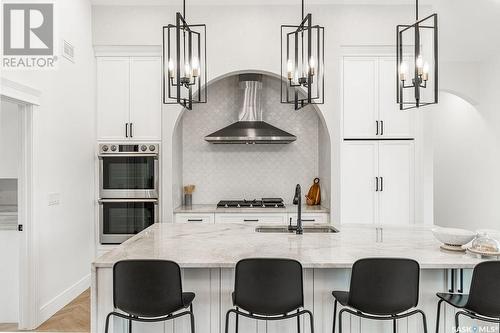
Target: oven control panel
[[117, 148]]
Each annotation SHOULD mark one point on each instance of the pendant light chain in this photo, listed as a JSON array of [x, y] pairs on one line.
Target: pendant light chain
[[416, 10], [303, 10]]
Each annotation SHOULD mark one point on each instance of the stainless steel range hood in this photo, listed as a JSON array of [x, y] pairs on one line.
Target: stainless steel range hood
[[250, 128]]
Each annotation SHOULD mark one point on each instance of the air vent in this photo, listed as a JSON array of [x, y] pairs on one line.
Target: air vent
[[68, 51]]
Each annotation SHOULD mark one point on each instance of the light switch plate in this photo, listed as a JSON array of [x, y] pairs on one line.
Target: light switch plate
[[54, 198]]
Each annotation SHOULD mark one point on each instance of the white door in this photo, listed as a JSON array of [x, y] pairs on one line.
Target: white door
[[112, 98], [396, 169], [10, 151], [359, 198], [145, 98], [360, 97], [395, 123]]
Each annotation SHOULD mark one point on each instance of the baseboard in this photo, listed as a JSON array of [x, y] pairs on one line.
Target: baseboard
[[57, 303]]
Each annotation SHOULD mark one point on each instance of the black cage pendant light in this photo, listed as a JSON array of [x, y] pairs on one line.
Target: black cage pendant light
[[184, 62], [417, 62], [302, 63]]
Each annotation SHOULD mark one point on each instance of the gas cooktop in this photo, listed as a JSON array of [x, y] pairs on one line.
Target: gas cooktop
[[262, 203]]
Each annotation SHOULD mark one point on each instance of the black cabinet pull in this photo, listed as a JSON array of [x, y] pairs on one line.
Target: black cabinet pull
[[381, 127], [452, 289], [376, 123], [251, 220], [131, 130], [376, 184], [126, 130], [461, 289], [381, 184], [308, 220], [195, 220]]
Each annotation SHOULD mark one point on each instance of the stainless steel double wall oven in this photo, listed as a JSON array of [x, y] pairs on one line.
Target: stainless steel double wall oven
[[128, 190]]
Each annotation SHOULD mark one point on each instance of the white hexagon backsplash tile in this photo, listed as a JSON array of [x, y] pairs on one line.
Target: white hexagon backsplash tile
[[247, 171]]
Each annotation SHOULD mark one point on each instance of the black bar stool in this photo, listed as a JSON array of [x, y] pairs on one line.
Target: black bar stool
[[149, 291], [381, 289], [268, 289], [483, 300]]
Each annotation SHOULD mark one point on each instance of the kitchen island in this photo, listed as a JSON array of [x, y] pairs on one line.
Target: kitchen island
[[207, 254]]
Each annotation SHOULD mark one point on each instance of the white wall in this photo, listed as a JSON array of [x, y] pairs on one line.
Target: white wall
[[64, 141], [253, 42], [467, 156], [345, 25]]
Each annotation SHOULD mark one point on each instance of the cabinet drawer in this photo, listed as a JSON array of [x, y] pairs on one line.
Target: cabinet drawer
[[310, 218], [194, 218], [251, 218]]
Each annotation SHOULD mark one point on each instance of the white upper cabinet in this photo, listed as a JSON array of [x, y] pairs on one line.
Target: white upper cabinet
[[360, 97], [369, 100], [129, 98], [112, 97], [395, 122], [359, 201], [145, 98]]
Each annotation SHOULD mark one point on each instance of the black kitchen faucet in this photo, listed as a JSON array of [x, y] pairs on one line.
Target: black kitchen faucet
[[297, 200]]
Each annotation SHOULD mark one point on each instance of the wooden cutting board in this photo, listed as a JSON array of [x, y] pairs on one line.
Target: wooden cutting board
[[313, 197]]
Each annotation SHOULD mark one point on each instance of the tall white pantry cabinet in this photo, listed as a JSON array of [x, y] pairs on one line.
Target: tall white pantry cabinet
[[378, 145], [129, 98]]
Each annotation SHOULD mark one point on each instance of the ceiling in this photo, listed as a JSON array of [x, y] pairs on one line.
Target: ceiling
[[468, 29], [253, 2]]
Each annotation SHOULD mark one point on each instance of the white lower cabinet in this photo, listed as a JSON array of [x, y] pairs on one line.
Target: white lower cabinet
[[194, 218], [258, 218], [359, 198], [277, 218], [378, 182], [309, 218]]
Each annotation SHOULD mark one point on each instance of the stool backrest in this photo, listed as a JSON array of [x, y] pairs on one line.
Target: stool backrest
[[384, 286], [268, 287], [484, 294], [147, 288]]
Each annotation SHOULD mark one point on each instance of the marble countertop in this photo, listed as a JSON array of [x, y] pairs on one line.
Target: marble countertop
[[212, 208], [222, 245]]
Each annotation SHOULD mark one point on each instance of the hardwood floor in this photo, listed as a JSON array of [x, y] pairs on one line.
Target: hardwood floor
[[74, 317]]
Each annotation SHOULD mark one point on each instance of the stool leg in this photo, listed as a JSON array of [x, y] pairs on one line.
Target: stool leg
[[106, 327], [424, 320], [334, 315], [237, 321], [298, 323], [191, 314], [129, 326], [457, 323], [438, 315], [340, 320], [394, 326], [227, 321], [311, 321]]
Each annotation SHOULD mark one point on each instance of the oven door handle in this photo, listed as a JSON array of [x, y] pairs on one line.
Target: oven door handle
[[101, 201], [101, 156]]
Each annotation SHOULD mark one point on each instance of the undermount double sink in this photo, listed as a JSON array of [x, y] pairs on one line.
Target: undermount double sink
[[307, 229]]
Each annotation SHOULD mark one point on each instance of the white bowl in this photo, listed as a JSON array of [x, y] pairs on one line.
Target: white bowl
[[453, 236]]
